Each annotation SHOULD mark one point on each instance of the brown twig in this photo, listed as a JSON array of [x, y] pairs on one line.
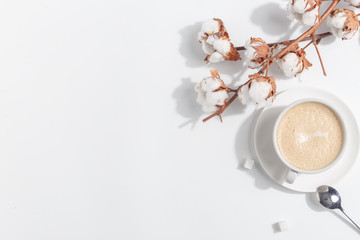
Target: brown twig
[[231, 90], [307, 45], [318, 36], [318, 53]]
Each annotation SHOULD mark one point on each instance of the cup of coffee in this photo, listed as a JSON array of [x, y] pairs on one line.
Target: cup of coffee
[[309, 137]]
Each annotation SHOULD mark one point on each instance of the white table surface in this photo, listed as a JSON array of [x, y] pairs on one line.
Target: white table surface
[[101, 137]]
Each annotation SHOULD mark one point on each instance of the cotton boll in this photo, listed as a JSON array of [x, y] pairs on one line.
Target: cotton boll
[[258, 94], [216, 57], [209, 84], [309, 18], [259, 91], [343, 23], [212, 92], [207, 48], [300, 6], [256, 51], [250, 54], [211, 26], [216, 98], [222, 46], [290, 64]]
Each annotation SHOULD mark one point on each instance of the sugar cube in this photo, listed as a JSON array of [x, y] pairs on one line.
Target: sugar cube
[[281, 226], [248, 163]]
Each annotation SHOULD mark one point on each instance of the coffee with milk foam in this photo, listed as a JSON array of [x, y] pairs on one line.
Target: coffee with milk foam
[[310, 136]]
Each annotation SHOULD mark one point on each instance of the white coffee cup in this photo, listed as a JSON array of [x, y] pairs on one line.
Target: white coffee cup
[[293, 172]]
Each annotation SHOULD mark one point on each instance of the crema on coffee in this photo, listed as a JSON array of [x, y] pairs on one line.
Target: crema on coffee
[[310, 136]]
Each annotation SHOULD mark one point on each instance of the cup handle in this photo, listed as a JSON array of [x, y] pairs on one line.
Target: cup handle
[[291, 176]]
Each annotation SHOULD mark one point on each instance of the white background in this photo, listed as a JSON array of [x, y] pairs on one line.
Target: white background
[[101, 137]]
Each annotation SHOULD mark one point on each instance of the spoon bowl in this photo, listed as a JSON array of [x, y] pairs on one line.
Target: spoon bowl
[[330, 198]]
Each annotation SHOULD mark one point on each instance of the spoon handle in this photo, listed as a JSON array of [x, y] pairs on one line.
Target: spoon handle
[[349, 218]]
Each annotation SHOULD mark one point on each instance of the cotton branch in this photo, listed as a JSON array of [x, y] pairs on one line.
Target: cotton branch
[[318, 37], [308, 32], [292, 44]]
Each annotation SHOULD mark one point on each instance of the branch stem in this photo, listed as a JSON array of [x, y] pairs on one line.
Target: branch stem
[[318, 53], [318, 37]]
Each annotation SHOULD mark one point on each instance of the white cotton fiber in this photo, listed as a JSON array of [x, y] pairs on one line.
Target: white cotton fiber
[[259, 91], [300, 6], [222, 46], [209, 84], [207, 48], [337, 21], [210, 40], [216, 98], [209, 108], [211, 26], [354, 3], [290, 64], [216, 57], [292, 14], [244, 95], [309, 18]]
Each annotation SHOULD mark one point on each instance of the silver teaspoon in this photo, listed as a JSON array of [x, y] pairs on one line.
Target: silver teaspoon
[[330, 198]]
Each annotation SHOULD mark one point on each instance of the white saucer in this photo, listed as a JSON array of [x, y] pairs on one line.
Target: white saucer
[[272, 164]]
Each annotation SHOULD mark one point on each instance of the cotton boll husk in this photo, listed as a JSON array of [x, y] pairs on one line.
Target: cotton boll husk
[[216, 98], [292, 14], [211, 26], [209, 108], [207, 48], [209, 84], [216, 57], [300, 6], [222, 46], [309, 18]]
